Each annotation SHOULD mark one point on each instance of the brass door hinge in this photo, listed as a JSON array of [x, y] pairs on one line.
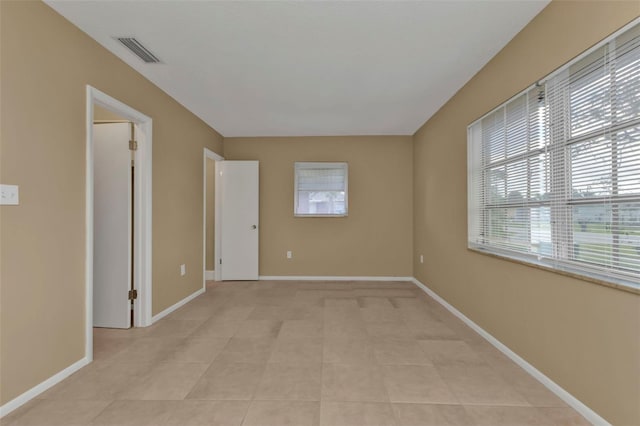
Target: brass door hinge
[[133, 294], [133, 145]]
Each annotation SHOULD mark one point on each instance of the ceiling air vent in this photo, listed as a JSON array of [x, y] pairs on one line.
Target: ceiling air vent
[[139, 50]]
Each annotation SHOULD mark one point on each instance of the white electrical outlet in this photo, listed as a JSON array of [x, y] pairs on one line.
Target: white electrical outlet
[[289, 254], [421, 259], [183, 269], [9, 195]]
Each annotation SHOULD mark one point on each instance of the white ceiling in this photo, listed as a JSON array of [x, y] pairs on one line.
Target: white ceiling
[[300, 68]]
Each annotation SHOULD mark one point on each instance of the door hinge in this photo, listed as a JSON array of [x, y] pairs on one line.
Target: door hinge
[[133, 294], [221, 261], [133, 145]]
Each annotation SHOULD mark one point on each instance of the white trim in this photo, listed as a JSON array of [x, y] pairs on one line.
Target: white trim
[[210, 275], [217, 239], [177, 305], [572, 401], [20, 400], [88, 229], [142, 216], [330, 278]]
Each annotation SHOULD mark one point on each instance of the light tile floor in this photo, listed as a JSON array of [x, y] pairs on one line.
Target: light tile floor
[[299, 353]]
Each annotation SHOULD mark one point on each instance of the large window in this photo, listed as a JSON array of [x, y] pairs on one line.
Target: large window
[[321, 189], [554, 173]]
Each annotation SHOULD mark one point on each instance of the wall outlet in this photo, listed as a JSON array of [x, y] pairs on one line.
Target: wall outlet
[[9, 195], [421, 259], [289, 254], [183, 269]]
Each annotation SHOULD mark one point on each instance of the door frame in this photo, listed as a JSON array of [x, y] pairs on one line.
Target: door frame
[[142, 211], [208, 154]]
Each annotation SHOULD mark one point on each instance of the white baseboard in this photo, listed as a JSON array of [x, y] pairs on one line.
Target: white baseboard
[[330, 278], [40, 388], [209, 275], [57, 378], [176, 306], [572, 401]]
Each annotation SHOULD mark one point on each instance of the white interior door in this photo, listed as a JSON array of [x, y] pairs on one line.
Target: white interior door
[[239, 219], [112, 225]]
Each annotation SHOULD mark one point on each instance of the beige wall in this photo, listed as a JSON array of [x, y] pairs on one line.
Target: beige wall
[[375, 239], [583, 336], [211, 198], [45, 64]]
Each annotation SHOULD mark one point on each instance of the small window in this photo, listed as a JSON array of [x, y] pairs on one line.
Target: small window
[[320, 189]]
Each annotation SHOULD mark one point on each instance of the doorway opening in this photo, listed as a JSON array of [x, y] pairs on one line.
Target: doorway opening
[[114, 144], [118, 216], [211, 217]]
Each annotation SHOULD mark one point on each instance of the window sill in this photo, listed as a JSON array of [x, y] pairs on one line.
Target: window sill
[[612, 282]]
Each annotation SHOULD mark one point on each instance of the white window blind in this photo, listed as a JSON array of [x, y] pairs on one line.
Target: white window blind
[[321, 189], [554, 173]]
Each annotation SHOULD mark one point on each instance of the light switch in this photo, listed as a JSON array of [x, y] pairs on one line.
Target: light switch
[[9, 195]]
